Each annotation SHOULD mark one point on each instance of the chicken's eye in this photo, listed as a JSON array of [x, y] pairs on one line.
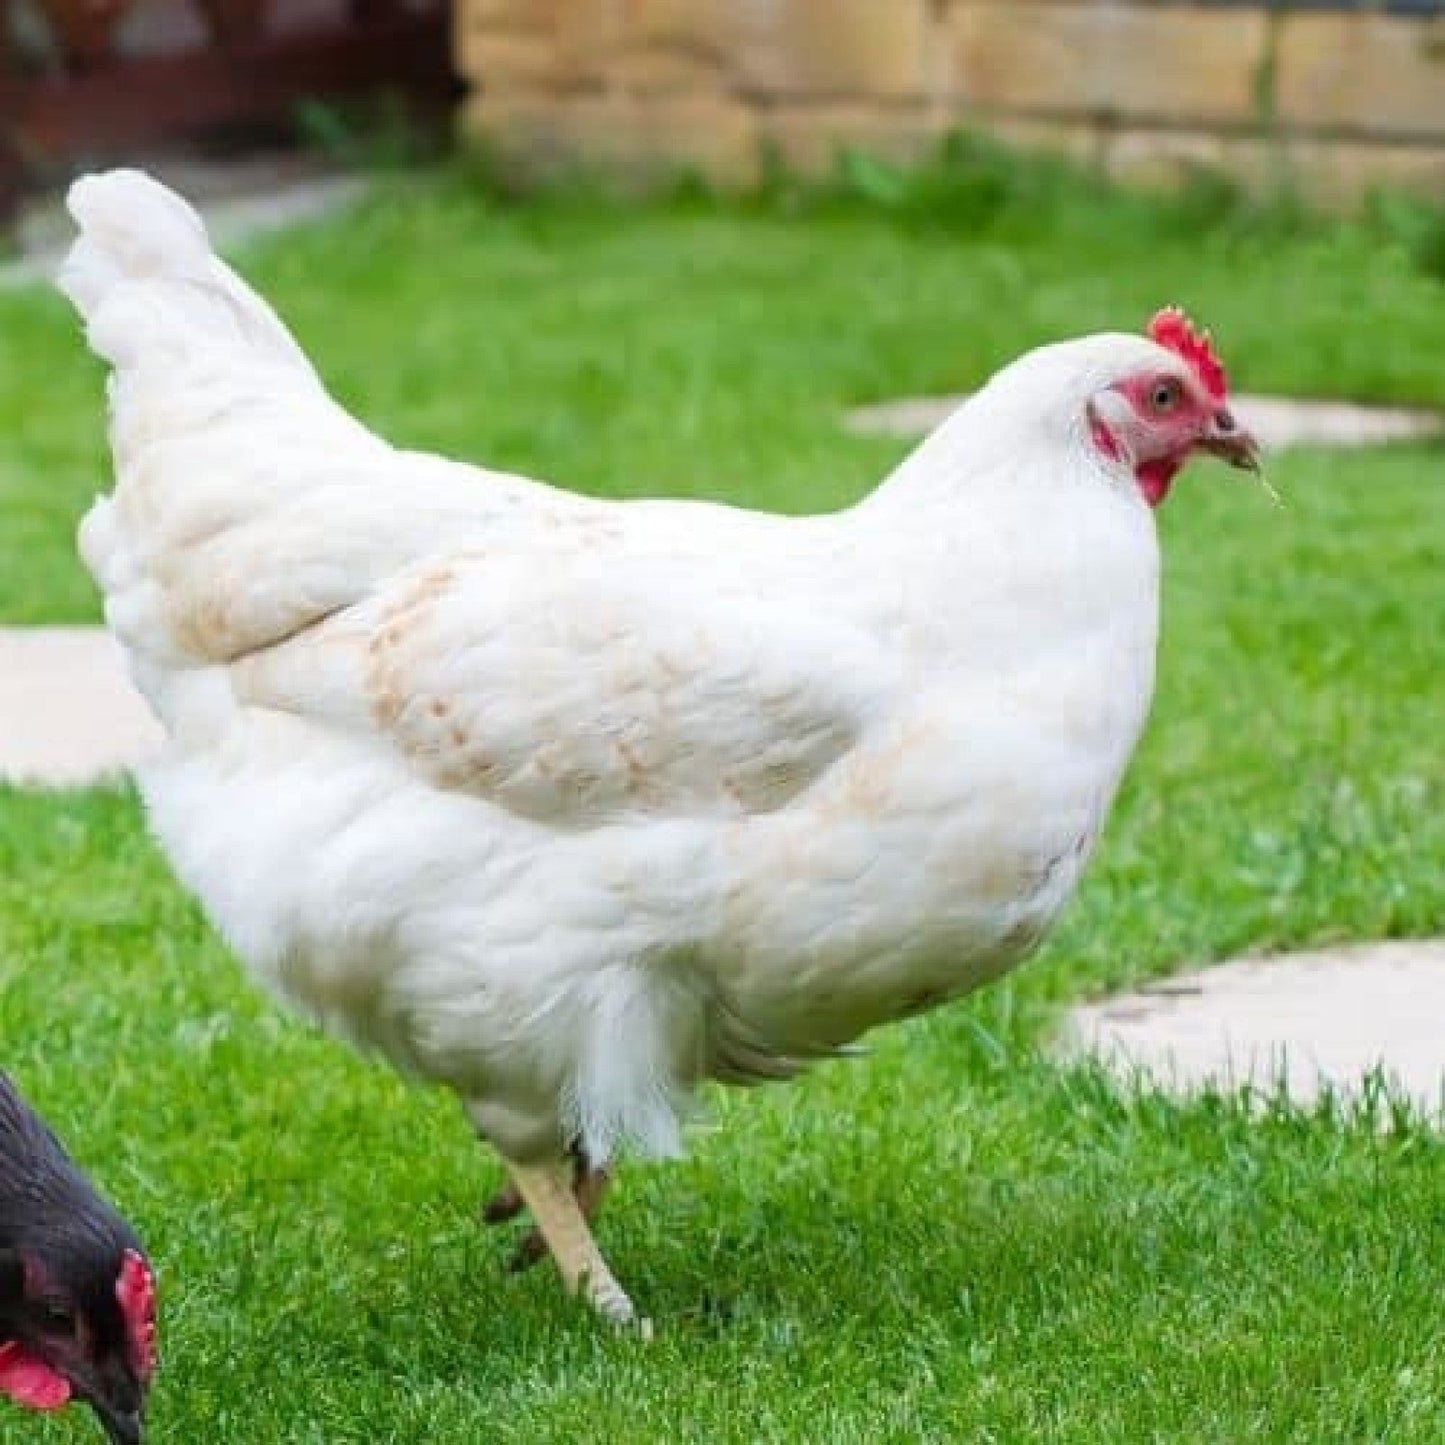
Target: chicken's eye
[[1165, 395], [57, 1317]]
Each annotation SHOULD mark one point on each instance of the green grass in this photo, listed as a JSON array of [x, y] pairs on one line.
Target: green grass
[[956, 1238]]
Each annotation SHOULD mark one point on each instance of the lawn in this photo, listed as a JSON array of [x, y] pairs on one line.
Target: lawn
[[954, 1238]]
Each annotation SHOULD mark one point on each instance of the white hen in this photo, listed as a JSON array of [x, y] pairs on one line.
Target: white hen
[[573, 804]]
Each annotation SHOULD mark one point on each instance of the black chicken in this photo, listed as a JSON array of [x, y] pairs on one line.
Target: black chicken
[[77, 1297]]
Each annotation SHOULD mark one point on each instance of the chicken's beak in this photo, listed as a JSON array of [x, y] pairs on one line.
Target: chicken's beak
[[122, 1427], [1226, 439]]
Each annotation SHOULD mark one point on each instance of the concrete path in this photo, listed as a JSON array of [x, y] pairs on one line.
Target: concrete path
[[68, 712], [238, 199], [1309, 1019], [1277, 421]]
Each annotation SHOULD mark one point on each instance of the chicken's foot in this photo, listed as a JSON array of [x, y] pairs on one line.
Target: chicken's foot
[[552, 1195]]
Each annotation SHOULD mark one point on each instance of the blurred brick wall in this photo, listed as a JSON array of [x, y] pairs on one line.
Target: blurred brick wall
[[1339, 96]]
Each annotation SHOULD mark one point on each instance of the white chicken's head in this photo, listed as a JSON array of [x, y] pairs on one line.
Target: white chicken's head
[[1141, 405], [1173, 404]]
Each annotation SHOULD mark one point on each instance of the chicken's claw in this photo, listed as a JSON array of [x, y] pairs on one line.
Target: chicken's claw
[[531, 1249], [507, 1203]]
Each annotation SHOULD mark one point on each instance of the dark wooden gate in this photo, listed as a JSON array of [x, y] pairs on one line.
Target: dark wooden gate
[[77, 85]]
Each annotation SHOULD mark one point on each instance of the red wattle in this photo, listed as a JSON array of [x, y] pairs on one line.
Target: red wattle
[[29, 1381], [1155, 478]]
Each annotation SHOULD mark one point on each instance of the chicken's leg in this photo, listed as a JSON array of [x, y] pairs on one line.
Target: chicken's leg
[[547, 1191], [588, 1187], [589, 1184]]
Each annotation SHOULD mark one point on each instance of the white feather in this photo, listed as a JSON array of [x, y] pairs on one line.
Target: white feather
[[573, 804]]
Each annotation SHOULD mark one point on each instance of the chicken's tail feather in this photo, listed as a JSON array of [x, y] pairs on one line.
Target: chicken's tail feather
[[216, 416], [626, 1088], [145, 279]]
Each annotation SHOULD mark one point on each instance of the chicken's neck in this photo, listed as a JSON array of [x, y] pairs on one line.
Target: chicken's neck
[[1001, 443], [1030, 567]]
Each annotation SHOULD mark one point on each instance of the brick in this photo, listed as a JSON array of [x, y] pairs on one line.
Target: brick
[[674, 46], [549, 45], [809, 138], [528, 132], [1164, 159], [1372, 72], [654, 73], [815, 49], [1340, 174], [1080, 140], [839, 47], [847, 49], [1173, 63], [641, 84], [511, 14], [541, 134], [1336, 174], [510, 60], [1258, 164], [832, 48], [702, 28]]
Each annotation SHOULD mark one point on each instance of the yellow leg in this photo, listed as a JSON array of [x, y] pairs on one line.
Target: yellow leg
[[548, 1191], [588, 1188]]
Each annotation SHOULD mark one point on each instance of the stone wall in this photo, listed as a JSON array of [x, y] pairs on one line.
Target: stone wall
[[1339, 97]]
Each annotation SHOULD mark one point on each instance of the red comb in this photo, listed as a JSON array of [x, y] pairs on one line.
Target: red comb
[[135, 1291], [1172, 330]]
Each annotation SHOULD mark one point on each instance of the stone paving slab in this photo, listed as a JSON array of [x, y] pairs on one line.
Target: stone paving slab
[[1278, 422], [68, 712], [237, 201], [1308, 1020]]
